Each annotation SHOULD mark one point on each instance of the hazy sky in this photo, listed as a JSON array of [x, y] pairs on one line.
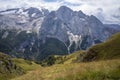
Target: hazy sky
[[107, 11]]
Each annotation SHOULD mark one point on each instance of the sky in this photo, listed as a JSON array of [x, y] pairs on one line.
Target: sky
[[108, 11]]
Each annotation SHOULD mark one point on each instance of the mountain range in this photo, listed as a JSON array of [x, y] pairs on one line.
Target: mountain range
[[36, 33]]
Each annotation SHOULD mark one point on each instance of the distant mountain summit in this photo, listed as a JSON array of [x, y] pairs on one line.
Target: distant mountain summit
[[34, 33]]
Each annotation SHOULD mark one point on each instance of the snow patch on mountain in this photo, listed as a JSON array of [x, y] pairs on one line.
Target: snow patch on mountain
[[74, 39], [5, 35]]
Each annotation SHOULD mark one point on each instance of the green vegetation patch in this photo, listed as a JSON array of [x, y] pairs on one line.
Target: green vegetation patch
[[107, 50]]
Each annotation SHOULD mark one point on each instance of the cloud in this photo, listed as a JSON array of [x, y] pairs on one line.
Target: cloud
[[107, 11]]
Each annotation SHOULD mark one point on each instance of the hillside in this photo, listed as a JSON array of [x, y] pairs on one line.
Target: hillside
[[64, 59], [101, 70], [8, 68], [26, 65], [107, 50], [14, 67]]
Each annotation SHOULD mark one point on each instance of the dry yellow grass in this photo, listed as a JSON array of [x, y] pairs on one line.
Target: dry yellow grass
[[75, 71]]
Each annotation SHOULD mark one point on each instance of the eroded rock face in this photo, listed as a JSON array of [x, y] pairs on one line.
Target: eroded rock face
[[36, 33]]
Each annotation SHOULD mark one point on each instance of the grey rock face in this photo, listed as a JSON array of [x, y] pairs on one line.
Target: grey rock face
[[57, 32], [72, 27]]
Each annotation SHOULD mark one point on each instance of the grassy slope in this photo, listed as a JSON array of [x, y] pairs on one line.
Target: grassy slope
[[57, 59], [107, 50], [8, 69], [101, 70], [26, 65]]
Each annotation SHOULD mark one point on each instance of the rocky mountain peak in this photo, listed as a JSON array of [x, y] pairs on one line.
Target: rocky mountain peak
[[64, 8], [64, 13]]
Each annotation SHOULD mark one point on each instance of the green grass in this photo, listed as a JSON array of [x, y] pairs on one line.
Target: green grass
[[107, 50], [25, 64], [59, 59], [14, 67], [8, 69]]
